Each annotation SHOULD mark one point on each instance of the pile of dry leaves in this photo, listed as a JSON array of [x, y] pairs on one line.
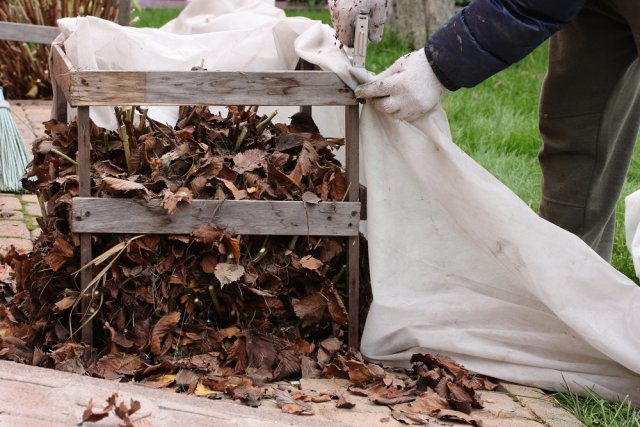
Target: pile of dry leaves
[[210, 313]]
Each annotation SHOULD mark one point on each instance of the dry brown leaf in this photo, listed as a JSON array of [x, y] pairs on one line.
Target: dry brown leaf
[[344, 403], [237, 193], [449, 414], [428, 403], [115, 365], [228, 273], [88, 416], [310, 262], [359, 373], [249, 160], [161, 329], [64, 303], [306, 158], [310, 309], [311, 198], [289, 405], [207, 233], [170, 199], [118, 184], [61, 252]]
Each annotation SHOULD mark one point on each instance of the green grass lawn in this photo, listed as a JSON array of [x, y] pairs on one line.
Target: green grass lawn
[[496, 124]]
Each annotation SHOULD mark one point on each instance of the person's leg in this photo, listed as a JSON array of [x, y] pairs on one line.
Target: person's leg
[[589, 119]]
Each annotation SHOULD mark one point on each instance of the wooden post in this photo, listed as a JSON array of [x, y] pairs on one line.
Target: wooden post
[[352, 141], [84, 177], [124, 12], [304, 65]]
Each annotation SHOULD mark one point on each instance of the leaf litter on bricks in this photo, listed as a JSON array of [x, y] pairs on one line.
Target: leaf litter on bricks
[[212, 313]]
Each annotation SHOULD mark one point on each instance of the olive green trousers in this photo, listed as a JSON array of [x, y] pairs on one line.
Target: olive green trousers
[[589, 119]]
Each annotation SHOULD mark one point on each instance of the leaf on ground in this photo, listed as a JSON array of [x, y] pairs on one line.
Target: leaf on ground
[[449, 414], [459, 398], [203, 390], [428, 403], [344, 403], [289, 405], [88, 416], [360, 374]]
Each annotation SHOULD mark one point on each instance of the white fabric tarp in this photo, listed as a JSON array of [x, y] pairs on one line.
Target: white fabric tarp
[[459, 264]]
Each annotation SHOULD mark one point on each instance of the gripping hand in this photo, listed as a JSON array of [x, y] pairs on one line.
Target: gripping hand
[[407, 90]]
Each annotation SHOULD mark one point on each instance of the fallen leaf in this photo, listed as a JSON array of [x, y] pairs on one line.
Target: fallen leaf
[[203, 390], [344, 403], [290, 406], [458, 416], [88, 416]]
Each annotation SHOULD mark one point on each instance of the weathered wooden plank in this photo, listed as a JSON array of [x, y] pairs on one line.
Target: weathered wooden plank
[[290, 88], [107, 88], [29, 33], [135, 216], [84, 177], [208, 87], [60, 70], [352, 141], [250, 88]]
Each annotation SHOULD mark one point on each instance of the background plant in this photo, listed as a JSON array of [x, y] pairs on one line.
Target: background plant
[[24, 66]]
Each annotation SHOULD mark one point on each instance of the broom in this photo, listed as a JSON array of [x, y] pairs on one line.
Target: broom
[[13, 155]]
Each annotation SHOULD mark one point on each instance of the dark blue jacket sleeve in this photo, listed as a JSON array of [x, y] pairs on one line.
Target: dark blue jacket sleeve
[[489, 35]]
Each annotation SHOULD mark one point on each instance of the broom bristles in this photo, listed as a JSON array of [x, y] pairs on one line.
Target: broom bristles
[[13, 154]]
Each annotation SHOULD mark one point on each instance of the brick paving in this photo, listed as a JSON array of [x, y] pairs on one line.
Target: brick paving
[[18, 213]]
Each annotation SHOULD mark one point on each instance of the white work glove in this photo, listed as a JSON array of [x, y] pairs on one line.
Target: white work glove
[[406, 91], [345, 12]]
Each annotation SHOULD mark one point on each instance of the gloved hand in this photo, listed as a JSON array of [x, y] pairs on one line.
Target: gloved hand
[[344, 13], [406, 91]]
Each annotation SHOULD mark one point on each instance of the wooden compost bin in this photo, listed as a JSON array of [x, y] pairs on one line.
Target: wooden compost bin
[[85, 88]]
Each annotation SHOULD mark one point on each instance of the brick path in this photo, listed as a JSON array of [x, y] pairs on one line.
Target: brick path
[[18, 213]]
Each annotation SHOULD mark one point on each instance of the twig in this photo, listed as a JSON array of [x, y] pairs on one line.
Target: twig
[[64, 156], [266, 121]]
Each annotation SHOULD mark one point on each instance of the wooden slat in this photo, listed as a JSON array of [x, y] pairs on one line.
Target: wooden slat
[[28, 33], [136, 216], [208, 87], [352, 141], [84, 177], [290, 88], [60, 71]]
